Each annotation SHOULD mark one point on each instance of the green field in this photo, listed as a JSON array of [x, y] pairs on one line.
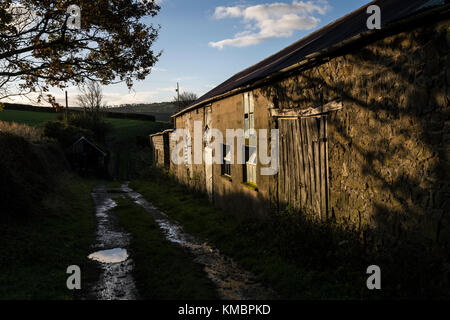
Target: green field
[[31, 118], [121, 139], [125, 129]]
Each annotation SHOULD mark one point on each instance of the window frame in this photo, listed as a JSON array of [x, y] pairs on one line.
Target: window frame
[[249, 169], [247, 166], [226, 163], [249, 113]]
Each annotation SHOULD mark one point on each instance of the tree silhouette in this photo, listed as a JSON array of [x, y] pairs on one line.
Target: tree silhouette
[[185, 99], [39, 49]]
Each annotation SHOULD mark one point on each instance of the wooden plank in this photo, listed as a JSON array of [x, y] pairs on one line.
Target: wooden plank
[[327, 181], [329, 107], [286, 164], [315, 149], [290, 184], [294, 113], [295, 166], [286, 161], [323, 168], [283, 113], [297, 150], [317, 166], [306, 164], [282, 166], [293, 175], [310, 163], [303, 162]]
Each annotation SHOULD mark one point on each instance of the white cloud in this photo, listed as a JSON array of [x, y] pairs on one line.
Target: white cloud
[[110, 98], [158, 94], [267, 21]]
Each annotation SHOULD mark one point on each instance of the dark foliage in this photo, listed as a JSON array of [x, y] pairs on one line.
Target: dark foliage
[[65, 134], [26, 174], [92, 121]]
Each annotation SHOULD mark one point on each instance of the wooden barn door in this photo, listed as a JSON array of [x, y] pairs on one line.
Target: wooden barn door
[[303, 176]]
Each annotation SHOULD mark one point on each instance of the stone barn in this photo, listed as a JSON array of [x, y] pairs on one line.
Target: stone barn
[[363, 122]]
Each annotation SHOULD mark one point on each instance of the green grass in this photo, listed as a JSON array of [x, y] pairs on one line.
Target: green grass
[[31, 118], [301, 258], [36, 250], [163, 271], [125, 131], [122, 139], [265, 248]]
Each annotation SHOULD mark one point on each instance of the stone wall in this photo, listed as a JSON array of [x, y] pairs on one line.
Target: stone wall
[[229, 193], [389, 146], [157, 142]]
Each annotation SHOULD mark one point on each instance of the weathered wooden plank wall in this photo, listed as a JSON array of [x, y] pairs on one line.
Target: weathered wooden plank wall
[[303, 175]]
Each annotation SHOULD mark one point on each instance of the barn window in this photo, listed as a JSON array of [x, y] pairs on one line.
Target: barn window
[[226, 165], [249, 120], [187, 150], [250, 165]]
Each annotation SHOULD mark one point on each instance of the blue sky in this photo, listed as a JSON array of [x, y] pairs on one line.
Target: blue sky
[[204, 42]]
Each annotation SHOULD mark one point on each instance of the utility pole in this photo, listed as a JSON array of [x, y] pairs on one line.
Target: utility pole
[[178, 92], [67, 105]]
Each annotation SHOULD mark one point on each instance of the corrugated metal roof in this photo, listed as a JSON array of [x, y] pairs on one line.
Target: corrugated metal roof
[[342, 29]]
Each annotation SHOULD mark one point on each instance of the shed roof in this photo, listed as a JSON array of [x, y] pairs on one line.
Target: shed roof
[[161, 133], [83, 139], [349, 26]]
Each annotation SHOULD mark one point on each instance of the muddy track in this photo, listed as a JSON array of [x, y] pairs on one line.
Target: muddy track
[[110, 251], [232, 282]]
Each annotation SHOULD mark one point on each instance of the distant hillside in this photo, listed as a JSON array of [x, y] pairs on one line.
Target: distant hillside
[[109, 113], [162, 110]]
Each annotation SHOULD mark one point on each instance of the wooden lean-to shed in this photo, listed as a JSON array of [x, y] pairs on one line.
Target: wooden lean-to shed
[[87, 158]]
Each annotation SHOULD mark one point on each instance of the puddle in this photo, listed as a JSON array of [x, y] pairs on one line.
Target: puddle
[[116, 281], [109, 256], [233, 283]]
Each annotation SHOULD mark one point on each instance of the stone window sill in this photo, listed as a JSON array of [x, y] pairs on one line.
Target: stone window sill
[[227, 177]]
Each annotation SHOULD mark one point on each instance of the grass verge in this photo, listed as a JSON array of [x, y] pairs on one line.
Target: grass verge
[[298, 259], [38, 248], [301, 258], [162, 271]]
